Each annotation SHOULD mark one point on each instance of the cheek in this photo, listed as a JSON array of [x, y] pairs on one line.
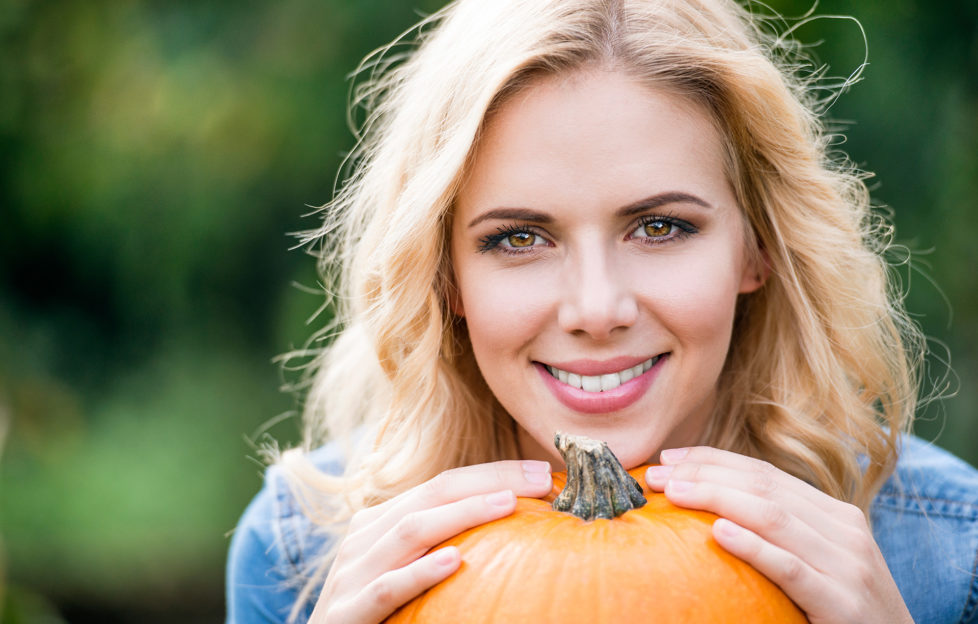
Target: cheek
[[503, 310], [696, 298]]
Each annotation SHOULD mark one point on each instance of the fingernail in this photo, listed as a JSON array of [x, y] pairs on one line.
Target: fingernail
[[500, 499], [678, 485], [728, 528], [674, 455], [536, 472], [537, 478], [659, 473], [446, 556]]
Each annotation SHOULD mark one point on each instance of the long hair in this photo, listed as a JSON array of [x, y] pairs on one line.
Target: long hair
[[820, 377]]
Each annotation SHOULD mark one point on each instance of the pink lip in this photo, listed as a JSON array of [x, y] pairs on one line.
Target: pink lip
[[600, 402]]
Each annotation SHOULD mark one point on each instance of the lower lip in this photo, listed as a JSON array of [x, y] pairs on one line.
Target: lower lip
[[601, 402]]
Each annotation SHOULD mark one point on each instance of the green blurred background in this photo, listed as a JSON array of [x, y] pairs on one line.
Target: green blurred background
[[153, 157]]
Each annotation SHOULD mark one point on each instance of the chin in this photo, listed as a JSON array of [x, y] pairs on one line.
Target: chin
[[631, 457]]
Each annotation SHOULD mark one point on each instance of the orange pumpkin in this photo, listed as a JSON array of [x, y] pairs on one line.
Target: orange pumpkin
[[657, 563]]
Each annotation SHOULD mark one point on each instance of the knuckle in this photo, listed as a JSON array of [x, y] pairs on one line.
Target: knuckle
[[434, 488], [854, 515], [408, 529], [763, 483], [440, 481], [856, 540], [863, 573], [344, 553], [381, 592], [350, 548], [765, 468], [871, 553], [865, 578], [860, 545], [792, 570], [359, 519], [498, 475], [774, 517]]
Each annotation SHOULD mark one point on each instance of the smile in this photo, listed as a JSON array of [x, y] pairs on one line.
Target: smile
[[601, 383]]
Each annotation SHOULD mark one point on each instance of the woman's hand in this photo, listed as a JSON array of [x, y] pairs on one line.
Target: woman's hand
[[382, 562], [819, 550]]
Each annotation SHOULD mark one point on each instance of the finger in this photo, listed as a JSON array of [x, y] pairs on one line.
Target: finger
[[754, 475], [835, 520], [806, 586], [770, 519], [523, 477], [417, 532], [389, 591], [768, 484]]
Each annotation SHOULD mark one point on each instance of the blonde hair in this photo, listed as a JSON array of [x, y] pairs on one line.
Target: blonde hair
[[821, 370]]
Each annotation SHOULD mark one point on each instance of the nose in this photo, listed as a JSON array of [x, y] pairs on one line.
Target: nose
[[598, 297]]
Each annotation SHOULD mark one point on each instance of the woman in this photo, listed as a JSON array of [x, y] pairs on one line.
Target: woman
[[616, 218]]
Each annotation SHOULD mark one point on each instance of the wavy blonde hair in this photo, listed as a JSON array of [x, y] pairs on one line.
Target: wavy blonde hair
[[820, 378]]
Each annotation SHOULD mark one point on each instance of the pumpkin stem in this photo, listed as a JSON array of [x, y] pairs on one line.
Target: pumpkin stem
[[597, 484]]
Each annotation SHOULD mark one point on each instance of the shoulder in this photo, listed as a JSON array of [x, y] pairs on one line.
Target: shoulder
[[925, 520], [935, 474], [270, 546]]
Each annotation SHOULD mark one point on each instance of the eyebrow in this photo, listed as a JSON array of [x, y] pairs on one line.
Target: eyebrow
[[519, 214], [648, 203], [662, 199]]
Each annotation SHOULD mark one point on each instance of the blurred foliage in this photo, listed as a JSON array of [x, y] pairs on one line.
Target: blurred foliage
[[153, 158]]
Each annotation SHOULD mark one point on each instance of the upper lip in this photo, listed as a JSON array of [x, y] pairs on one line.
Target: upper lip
[[599, 367]]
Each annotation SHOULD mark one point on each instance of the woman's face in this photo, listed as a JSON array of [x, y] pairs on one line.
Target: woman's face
[[599, 252]]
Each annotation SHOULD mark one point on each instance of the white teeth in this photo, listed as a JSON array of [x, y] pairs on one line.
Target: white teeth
[[602, 383]]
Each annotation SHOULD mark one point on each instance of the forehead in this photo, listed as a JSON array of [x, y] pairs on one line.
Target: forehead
[[587, 133]]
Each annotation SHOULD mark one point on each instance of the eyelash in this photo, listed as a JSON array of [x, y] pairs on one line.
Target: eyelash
[[492, 242], [684, 228]]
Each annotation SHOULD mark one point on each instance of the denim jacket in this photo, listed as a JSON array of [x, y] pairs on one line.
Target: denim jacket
[[925, 520]]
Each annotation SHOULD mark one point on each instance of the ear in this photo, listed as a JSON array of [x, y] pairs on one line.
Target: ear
[[756, 271]]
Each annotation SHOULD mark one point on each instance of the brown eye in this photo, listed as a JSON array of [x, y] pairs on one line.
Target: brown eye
[[658, 229], [513, 240], [654, 230], [521, 239]]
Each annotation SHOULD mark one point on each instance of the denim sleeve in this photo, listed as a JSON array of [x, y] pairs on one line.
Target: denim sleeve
[[272, 544], [258, 569], [925, 520]]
